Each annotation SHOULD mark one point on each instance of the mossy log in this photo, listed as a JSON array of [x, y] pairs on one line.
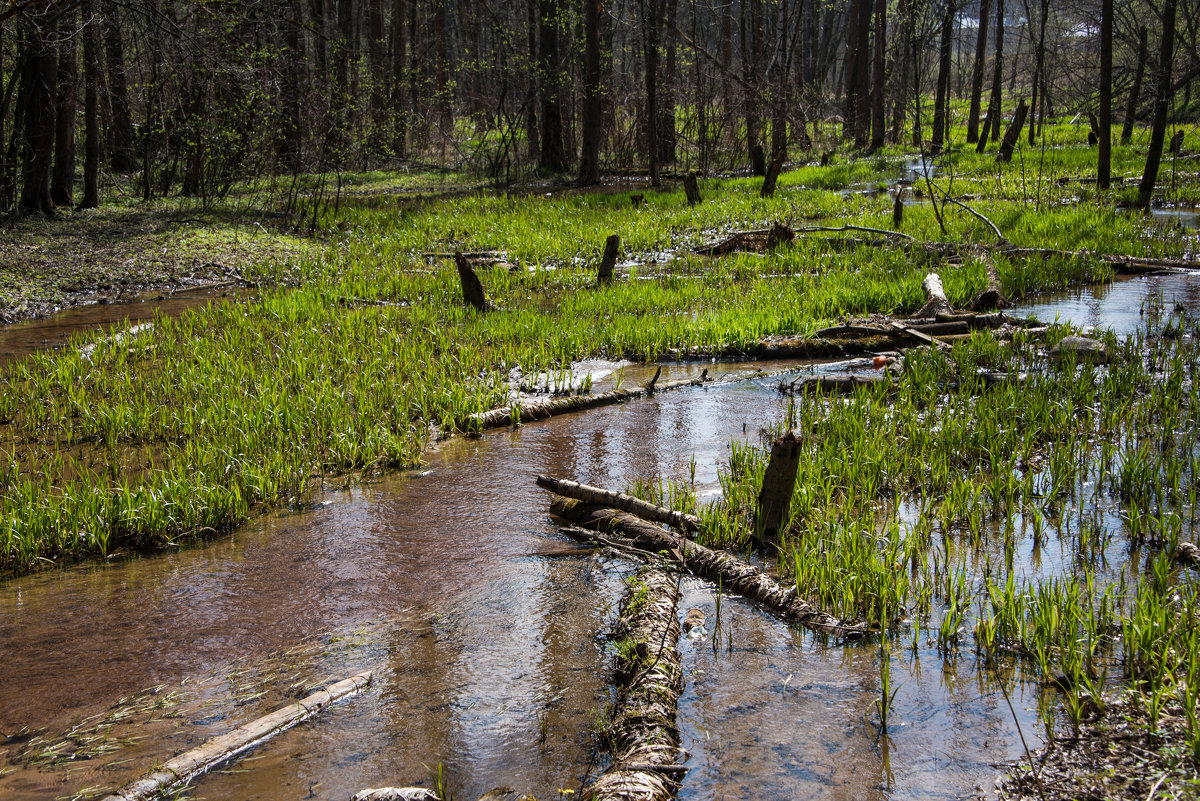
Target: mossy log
[[619, 500], [643, 734], [735, 575], [187, 766]]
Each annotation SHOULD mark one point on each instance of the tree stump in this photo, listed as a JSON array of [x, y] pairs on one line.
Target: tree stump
[[472, 287], [776, 494], [936, 301], [609, 260], [898, 210], [768, 184], [1177, 143], [692, 189], [779, 234]]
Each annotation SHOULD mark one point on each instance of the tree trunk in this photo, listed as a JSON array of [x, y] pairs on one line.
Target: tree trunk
[[879, 77], [1136, 89], [985, 9], [995, 113], [289, 142], [553, 156], [651, 23], [1162, 105], [751, 24], [593, 94], [1013, 133], [612, 246], [1104, 166], [377, 57], [62, 184], [667, 84], [91, 109], [858, 73], [941, 107], [472, 287], [120, 142], [1039, 75], [775, 496], [38, 150], [399, 95]]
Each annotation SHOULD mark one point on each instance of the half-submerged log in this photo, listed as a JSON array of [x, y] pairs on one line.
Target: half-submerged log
[[187, 766], [1013, 133], [733, 574], [692, 189], [609, 260], [529, 411], [619, 500], [775, 496], [1188, 554], [643, 732], [936, 301], [472, 287]]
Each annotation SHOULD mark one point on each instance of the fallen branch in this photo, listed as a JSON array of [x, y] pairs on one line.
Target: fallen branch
[[642, 731], [187, 766], [626, 503], [734, 574]]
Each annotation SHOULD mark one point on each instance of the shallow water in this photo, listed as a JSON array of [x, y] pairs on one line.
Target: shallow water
[[1125, 305], [489, 651]]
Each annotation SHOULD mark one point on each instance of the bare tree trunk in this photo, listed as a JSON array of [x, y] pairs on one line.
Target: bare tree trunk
[[995, 104], [941, 122], [667, 82], [1136, 89], [91, 109], [377, 69], [399, 95], [531, 115], [651, 12], [1162, 105], [62, 185], [593, 94], [858, 73], [553, 155], [751, 24], [879, 77], [1039, 75], [42, 70], [289, 143], [985, 10], [1104, 166]]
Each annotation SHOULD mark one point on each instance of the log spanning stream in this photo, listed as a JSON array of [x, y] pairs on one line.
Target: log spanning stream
[[484, 628]]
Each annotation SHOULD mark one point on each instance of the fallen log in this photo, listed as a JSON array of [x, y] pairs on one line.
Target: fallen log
[[1188, 554], [619, 500], [841, 384], [734, 574], [642, 732], [991, 296], [187, 766], [936, 301], [540, 410]]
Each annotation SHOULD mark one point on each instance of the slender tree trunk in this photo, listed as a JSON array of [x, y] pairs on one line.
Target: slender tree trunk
[[534, 85], [1162, 104], [62, 185], [377, 69], [593, 94], [1104, 166], [941, 106], [751, 19], [995, 104], [668, 80], [879, 77], [651, 11], [120, 146], [399, 94], [42, 66], [91, 108], [1135, 90], [900, 71], [289, 144], [1038, 101], [553, 156], [985, 10]]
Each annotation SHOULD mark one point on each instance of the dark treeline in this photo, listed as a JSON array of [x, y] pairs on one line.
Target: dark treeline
[[191, 98]]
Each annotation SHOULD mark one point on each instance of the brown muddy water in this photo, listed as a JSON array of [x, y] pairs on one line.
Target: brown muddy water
[[485, 627], [22, 339]]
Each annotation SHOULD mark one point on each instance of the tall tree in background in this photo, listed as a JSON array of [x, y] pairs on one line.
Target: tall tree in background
[[38, 94], [1104, 165], [1162, 104], [1135, 90], [941, 106], [985, 11], [1037, 104], [91, 107], [593, 94], [858, 73], [995, 103], [62, 182], [121, 147], [553, 154], [652, 21], [879, 77]]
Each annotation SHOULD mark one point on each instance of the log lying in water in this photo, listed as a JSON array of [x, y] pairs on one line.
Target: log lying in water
[[189, 765], [541, 409], [1188, 554], [734, 574], [643, 732], [619, 500]]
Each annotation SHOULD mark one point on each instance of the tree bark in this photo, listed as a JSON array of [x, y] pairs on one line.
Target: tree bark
[[879, 77], [38, 146], [553, 156], [399, 95], [985, 10], [651, 12], [1162, 105], [1104, 157], [619, 500], [612, 245], [120, 144], [1039, 74], [472, 287], [1135, 90], [593, 94], [1013, 133], [775, 496]]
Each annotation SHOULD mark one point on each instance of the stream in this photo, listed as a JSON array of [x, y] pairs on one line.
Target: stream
[[485, 627]]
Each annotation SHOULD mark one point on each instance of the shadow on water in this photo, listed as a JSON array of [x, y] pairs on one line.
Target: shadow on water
[[1123, 306]]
